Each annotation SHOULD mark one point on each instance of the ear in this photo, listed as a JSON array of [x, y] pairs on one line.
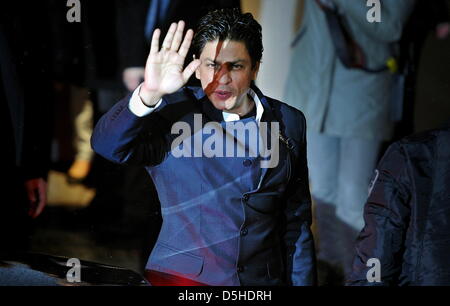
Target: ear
[[197, 73], [255, 71]]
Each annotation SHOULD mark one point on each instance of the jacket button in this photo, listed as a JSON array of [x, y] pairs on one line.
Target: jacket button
[[240, 269], [245, 197], [247, 163], [244, 231]]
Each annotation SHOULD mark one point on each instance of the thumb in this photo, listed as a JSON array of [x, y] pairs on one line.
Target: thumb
[[31, 193], [190, 69]]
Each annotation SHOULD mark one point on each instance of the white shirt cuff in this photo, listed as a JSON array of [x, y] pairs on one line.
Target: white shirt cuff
[[138, 107]]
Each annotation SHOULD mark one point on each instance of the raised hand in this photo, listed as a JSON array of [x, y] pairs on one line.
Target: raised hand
[[164, 72]]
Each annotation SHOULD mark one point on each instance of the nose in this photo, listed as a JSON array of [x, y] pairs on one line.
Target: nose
[[223, 75]]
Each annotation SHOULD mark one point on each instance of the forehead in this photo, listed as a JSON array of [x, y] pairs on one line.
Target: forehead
[[225, 50]]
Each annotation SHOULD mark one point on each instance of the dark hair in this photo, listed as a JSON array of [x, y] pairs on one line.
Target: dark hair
[[229, 24]]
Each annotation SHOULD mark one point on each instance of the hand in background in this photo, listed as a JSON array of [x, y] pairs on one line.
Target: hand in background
[[37, 196], [442, 30], [132, 77]]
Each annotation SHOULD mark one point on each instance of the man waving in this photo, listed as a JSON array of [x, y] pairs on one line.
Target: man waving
[[228, 219]]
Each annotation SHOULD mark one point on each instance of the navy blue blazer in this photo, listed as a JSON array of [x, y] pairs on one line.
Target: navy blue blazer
[[226, 221]]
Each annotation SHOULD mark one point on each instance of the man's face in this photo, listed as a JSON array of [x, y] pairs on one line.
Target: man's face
[[226, 73]]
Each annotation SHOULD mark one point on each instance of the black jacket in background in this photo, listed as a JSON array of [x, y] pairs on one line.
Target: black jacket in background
[[26, 93], [407, 214], [25, 99]]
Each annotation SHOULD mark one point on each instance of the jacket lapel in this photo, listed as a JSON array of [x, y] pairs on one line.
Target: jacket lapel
[[285, 145], [268, 117]]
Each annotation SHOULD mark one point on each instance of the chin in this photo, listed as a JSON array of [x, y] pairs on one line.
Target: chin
[[221, 105]]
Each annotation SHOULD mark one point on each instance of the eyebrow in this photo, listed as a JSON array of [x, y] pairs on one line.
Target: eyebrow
[[233, 63]]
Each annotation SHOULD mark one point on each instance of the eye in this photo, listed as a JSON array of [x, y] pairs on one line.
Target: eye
[[237, 67], [211, 65]]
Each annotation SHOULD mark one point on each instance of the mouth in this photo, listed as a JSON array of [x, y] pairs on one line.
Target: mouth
[[222, 94]]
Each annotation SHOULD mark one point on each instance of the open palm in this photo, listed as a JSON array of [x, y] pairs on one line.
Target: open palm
[[164, 72]]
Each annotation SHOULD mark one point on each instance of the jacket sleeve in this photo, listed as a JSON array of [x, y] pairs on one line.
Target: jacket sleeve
[[300, 252], [394, 15], [122, 137], [386, 216]]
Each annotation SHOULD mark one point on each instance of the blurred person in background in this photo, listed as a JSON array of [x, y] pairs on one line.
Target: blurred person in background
[[340, 77], [25, 96], [427, 17]]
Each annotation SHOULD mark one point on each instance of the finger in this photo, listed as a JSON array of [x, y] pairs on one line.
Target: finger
[[178, 36], [154, 48], [190, 69], [186, 43], [168, 39], [42, 200], [40, 208], [32, 202], [31, 195], [31, 212]]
